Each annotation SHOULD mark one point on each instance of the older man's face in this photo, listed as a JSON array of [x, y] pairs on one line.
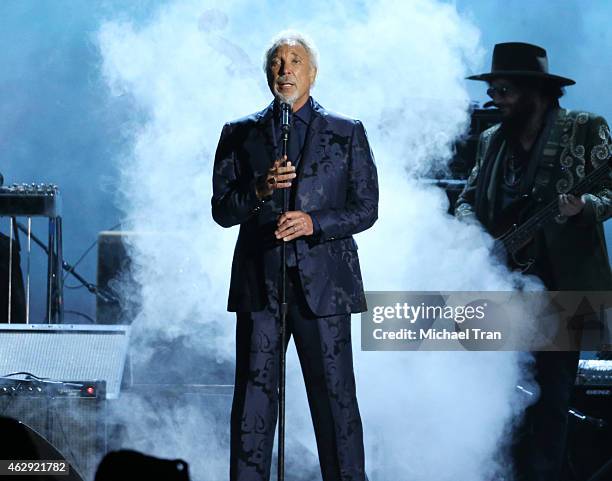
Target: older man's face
[[291, 74]]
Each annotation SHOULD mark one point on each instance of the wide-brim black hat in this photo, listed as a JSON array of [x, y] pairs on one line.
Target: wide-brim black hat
[[516, 59]]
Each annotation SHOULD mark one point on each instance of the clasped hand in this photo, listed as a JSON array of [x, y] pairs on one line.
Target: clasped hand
[[279, 176], [292, 224]]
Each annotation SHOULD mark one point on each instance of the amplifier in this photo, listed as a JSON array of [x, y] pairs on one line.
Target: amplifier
[[116, 278], [465, 148], [69, 415], [65, 351], [47, 388], [593, 372], [589, 445]]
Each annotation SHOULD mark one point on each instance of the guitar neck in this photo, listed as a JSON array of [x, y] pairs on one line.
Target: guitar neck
[[516, 239]]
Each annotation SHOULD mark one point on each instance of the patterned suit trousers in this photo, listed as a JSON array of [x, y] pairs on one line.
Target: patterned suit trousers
[[325, 353]]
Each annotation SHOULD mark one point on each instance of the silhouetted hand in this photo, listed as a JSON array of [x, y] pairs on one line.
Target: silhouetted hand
[[570, 205]]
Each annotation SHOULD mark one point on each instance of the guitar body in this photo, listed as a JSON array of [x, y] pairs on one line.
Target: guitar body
[[517, 225], [508, 221]]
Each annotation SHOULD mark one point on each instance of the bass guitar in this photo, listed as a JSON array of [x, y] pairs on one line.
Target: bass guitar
[[516, 229]]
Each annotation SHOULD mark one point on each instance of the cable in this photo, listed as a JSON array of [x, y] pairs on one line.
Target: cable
[[604, 470], [28, 374], [87, 251], [67, 267]]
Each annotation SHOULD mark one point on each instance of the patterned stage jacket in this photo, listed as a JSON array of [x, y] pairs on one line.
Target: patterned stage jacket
[[336, 184], [570, 146]]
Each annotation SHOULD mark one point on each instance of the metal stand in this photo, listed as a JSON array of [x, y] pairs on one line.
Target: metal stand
[[106, 294], [55, 284], [36, 200], [605, 470], [285, 124]]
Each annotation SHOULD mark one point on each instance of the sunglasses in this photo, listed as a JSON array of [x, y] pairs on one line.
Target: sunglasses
[[500, 91]]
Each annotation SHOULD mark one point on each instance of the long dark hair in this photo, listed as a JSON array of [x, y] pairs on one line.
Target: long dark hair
[[545, 87]]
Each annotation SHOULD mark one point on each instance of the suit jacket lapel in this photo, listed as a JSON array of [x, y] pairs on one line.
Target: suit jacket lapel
[[266, 126], [483, 204], [317, 124]]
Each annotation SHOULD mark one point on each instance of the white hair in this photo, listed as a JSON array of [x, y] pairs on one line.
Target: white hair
[[291, 37]]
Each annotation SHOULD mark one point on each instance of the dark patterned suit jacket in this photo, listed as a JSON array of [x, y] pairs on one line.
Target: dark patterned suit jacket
[[571, 145], [336, 184]]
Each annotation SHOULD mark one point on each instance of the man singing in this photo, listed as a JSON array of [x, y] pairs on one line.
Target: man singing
[[540, 152], [333, 191]]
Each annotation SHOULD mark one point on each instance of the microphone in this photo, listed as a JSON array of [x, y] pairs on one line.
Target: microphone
[[285, 117], [285, 124]]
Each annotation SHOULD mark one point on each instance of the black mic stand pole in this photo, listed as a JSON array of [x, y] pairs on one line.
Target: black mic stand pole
[[285, 124]]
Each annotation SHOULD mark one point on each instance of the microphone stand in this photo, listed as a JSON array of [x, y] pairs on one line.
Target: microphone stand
[[104, 294], [285, 125]]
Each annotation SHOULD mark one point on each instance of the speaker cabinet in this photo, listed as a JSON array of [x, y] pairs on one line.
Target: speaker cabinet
[[74, 425]]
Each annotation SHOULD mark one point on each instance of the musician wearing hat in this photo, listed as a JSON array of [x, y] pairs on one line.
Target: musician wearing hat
[[551, 161]]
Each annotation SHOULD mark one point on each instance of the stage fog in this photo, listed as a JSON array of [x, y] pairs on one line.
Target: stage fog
[[142, 96]]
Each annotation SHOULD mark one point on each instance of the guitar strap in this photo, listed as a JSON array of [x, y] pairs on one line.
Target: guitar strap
[[496, 164], [549, 154]]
